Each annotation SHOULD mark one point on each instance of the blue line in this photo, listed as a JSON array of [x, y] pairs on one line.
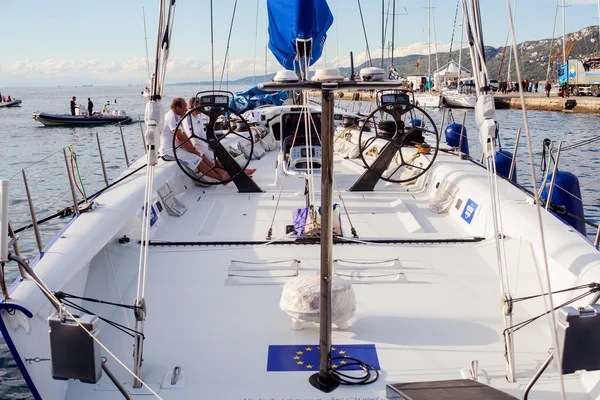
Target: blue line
[[13, 349]]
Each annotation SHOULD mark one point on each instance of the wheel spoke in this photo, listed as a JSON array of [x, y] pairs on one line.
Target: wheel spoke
[[203, 174], [397, 168], [417, 167], [369, 142]]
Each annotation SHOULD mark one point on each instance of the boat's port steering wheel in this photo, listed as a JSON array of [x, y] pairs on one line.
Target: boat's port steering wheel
[[404, 143], [213, 106]]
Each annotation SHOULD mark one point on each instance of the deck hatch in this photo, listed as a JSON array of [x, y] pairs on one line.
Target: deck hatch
[[264, 272], [370, 271]]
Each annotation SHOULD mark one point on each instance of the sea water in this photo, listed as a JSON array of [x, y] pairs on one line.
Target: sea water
[[26, 145]]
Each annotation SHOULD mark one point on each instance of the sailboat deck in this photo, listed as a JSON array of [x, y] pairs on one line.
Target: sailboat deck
[[429, 314], [390, 212], [219, 331]]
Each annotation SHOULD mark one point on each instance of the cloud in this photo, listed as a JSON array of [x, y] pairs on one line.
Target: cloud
[[96, 71], [415, 48], [133, 71]]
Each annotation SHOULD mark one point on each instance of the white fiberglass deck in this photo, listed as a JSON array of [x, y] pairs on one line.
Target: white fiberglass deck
[[219, 330], [429, 328]]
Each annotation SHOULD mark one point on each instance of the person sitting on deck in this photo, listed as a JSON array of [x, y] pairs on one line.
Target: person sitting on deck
[[194, 123], [9, 99], [186, 153]]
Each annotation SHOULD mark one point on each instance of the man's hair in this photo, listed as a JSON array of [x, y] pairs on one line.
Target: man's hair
[[177, 102], [192, 102]]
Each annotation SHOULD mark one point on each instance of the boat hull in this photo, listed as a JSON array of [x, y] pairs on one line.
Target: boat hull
[[457, 100], [80, 120], [426, 100], [14, 103]]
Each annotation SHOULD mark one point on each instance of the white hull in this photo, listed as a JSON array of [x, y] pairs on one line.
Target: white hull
[[454, 99], [428, 100], [218, 325]]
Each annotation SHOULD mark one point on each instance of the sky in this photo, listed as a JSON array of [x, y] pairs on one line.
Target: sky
[[67, 42]]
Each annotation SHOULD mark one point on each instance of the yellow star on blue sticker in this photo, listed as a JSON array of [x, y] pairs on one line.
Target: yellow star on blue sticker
[[308, 349]]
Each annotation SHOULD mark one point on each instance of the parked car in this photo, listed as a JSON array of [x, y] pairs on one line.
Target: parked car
[[494, 86]]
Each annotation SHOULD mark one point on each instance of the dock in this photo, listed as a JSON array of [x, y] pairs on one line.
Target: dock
[[539, 102], [533, 101]]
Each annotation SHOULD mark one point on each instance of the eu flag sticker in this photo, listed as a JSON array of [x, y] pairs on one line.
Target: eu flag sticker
[[306, 357], [469, 211]]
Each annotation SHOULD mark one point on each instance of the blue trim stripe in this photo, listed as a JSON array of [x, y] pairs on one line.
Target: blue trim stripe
[[13, 349]]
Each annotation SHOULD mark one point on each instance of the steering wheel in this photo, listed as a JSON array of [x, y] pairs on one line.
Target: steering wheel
[[402, 136], [223, 160]]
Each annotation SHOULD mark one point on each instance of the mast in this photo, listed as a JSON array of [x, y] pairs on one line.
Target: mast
[[382, 30], [394, 26], [552, 41], [564, 45], [429, 44], [462, 31], [437, 63]]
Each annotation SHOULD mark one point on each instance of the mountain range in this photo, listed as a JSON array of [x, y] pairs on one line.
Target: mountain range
[[534, 56]]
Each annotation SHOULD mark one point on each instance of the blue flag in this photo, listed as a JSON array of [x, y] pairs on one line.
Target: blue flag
[[301, 357]]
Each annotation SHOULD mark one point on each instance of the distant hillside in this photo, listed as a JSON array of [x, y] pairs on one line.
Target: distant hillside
[[534, 57]]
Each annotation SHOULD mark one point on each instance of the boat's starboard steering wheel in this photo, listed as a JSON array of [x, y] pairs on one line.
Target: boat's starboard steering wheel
[[213, 106], [404, 133]]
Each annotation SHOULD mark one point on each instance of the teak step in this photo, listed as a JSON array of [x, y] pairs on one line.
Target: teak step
[[458, 389]]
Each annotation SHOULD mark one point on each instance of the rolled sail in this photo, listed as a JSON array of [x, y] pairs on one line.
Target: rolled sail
[[296, 26]]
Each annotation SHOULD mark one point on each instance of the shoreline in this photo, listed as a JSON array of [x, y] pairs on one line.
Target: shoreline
[[533, 101]]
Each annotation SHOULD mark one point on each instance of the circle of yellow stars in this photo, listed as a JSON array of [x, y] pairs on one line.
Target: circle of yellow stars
[[310, 366]]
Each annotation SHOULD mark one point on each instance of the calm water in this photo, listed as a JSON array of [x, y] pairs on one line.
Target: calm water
[[26, 144]]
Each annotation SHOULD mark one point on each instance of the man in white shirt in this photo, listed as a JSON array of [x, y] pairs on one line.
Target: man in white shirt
[[186, 152], [194, 123]]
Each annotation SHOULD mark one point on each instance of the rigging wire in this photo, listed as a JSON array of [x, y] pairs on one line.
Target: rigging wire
[[146, 41], [549, 302], [552, 41], [255, 42], [365, 33], [212, 47], [63, 309], [437, 63], [452, 37], [226, 60]]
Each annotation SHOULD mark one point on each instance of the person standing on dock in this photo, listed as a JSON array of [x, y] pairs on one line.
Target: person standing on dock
[[535, 86], [90, 106], [73, 105], [547, 87]]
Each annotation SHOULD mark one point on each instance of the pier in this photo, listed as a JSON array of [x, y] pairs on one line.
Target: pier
[[533, 101]]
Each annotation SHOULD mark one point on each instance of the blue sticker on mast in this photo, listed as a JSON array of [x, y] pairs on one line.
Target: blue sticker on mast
[[306, 357], [469, 211]]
